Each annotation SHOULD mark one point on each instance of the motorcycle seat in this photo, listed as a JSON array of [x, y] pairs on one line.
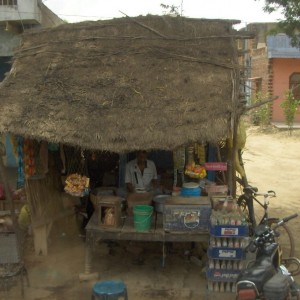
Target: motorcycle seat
[[259, 273]]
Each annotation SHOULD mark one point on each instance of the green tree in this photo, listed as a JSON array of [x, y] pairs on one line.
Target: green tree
[[290, 106], [261, 115], [291, 23]]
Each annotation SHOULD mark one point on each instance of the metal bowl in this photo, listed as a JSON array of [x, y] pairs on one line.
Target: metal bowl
[[159, 202]]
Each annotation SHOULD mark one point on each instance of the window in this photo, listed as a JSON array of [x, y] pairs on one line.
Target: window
[[8, 2], [295, 84]]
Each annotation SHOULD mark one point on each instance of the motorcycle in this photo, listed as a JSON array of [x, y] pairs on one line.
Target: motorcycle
[[266, 277]]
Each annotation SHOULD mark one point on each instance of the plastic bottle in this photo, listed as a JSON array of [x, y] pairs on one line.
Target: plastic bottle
[[241, 265], [219, 244], [230, 243], [224, 243], [217, 265], [210, 286]]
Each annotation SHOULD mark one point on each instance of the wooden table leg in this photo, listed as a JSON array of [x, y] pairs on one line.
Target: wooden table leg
[[163, 254], [88, 275]]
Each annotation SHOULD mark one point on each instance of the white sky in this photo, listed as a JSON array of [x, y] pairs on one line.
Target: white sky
[[247, 11]]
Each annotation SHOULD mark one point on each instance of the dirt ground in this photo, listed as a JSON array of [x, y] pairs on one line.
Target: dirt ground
[[272, 161]]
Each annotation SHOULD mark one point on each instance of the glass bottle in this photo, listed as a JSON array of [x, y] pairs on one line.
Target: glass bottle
[[223, 264], [222, 288], [210, 286], [227, 287]]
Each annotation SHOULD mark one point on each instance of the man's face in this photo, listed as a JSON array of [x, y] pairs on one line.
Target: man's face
[[141, 156]]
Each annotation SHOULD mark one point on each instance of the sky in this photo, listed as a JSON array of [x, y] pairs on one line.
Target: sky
[[248, 11]]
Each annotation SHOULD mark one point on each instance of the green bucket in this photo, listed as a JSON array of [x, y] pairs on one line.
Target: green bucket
[[142, 216]]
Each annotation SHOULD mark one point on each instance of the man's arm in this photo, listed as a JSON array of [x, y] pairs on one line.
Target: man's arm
[[128, 180], [130, 187]]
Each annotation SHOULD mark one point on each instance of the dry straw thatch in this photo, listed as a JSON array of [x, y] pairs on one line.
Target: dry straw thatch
[[123, 84]]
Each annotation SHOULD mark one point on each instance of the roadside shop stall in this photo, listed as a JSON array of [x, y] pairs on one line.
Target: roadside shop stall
[[121, 85]]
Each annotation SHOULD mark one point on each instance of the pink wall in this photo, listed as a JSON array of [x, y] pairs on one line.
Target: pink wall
[[282, 69]]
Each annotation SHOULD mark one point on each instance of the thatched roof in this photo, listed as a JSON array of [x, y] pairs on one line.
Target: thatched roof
[[123, 84]]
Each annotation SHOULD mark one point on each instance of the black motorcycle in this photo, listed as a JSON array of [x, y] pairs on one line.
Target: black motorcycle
[[267, 277]]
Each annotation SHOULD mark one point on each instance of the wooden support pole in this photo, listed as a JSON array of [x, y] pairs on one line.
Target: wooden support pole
[[9, 197]]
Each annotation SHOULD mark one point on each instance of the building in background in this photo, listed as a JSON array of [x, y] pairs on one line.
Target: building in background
[[17, 16], [274, 67]]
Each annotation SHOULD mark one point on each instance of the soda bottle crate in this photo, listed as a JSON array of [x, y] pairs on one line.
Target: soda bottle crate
[[221, 287], [226, 253], [229, 230], [224, 264], [228, 242], [220, 275]]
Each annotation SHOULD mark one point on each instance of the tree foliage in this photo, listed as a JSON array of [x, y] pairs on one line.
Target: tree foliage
[[290, 106], [291, 23]]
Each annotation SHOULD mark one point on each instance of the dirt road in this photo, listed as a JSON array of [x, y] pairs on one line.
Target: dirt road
[[272, 162]]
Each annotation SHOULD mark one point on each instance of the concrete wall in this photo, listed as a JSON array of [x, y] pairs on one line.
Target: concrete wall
[[26, 10], [282, 69]]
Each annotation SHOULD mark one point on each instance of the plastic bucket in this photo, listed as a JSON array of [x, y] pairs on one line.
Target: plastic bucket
[[142, 216]]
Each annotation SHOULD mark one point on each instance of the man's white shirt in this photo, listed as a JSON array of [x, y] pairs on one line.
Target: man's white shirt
[[134, 175]]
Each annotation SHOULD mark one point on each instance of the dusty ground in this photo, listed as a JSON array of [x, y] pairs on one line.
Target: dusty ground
[[272, 160]]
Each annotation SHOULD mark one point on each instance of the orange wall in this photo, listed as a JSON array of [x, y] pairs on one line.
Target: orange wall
[[282, 69]]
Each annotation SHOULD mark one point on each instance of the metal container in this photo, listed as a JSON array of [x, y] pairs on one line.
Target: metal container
[[159, 202]]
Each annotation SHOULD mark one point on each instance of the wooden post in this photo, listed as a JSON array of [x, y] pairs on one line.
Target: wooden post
[[9, 197]]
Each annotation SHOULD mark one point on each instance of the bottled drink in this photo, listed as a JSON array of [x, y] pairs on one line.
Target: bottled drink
[[229, 265], [236, 243], [222, 288], [227, 287], [217, 265], [212, 241], [235, 265], [216, 287], [230, 243], [224, 243], [238, 221], [210, 286], [211, 264], [219, 244], [223, 264], [226, 220], [233, 288], [241, 265], [232, 220]]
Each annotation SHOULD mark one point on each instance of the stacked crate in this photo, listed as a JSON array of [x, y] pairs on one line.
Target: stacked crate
[[226, 252]]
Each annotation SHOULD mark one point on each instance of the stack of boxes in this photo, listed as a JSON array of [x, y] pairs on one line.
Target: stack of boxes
[[226, 252]]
